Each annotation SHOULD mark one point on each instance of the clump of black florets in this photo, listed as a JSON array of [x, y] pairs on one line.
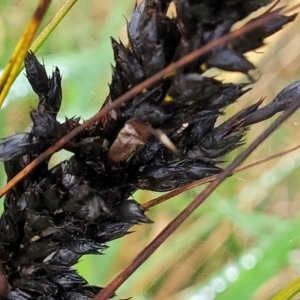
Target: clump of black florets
[[56, 215]]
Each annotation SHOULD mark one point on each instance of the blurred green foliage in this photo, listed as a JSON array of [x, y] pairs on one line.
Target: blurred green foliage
[[243, 243]]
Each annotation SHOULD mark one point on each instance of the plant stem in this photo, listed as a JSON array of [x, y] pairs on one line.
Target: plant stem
[[12, 69]]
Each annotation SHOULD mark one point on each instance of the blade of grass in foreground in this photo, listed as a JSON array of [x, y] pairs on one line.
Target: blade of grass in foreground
[[12, 68], [15, 64], [290, 291]]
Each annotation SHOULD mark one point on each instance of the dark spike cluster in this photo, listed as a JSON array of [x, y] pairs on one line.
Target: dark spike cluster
[[161, 139]]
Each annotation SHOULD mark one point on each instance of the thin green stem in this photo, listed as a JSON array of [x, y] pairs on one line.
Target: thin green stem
[[52, 25]]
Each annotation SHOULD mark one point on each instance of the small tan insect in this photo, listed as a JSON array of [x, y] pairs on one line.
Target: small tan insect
[[133, 136]]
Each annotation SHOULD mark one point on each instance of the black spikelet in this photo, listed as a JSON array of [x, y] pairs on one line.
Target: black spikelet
[[56, 215]]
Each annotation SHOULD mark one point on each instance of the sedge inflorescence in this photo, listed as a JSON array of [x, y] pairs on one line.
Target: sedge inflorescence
[[162, 139]]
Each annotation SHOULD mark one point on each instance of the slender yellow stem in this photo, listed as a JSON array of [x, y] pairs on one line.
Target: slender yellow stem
[[15, 64], [52, 24], [289, 291], [12, 68]]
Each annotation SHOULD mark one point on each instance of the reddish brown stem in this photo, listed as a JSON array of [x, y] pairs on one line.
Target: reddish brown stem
[[109, 290], [137, 89]]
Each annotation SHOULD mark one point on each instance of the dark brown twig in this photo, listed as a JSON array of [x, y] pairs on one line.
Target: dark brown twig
[[109, 290], [137, 89]]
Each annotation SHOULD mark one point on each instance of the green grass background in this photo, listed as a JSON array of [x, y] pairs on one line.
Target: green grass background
[[243, 242]]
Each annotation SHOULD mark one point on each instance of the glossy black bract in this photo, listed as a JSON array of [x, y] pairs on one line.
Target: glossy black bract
[[56, 215]]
